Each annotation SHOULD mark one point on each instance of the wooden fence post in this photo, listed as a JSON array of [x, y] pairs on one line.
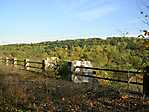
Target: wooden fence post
[[15, 62], [4, 60], [47, 62], [43, 66], [12, 62], [7, 61], [146, 89], [1, 59], [26, 64], [69, 70]]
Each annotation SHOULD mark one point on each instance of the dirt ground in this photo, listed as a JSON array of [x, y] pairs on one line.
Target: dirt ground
[[23, 91]]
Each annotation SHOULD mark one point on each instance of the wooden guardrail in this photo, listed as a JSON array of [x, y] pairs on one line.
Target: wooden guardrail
[[26, 63]]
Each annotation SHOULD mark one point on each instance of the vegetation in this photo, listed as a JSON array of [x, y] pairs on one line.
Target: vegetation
[[22, 91], [112, 52], [115, 52]]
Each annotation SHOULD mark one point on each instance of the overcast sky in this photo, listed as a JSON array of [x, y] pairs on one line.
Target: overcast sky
[[40, 20]]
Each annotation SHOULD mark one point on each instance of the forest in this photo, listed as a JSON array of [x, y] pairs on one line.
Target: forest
[[114, 52]]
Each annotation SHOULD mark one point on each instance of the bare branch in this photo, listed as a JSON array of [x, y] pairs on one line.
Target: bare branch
[[145, 22]]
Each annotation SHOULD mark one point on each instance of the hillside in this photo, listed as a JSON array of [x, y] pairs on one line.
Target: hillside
[[23, 88], [114, 51]]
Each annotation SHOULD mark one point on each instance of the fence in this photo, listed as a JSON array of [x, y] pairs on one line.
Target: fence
[[112, 70], [42, 66], [143, 89], [126, 77], [26, 63]]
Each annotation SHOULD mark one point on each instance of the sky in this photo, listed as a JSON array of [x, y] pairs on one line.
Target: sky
[[47, 20]]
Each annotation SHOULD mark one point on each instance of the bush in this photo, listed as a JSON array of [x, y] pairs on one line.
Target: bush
[[61, 70]]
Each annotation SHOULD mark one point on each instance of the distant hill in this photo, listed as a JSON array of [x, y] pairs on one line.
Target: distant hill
[[113, 51]]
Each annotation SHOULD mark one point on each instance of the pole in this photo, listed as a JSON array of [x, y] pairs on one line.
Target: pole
[[146, 89], [43, 66], [69, 71]]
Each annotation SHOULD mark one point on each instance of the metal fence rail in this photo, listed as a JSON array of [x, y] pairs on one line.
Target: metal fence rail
[[124, 77], [110, 79], [112, 70]]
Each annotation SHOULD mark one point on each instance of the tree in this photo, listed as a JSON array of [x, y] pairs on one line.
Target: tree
[[145, 18], [144, 11]]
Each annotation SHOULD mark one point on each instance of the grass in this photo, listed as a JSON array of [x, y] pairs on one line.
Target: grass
[[22, 91]]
